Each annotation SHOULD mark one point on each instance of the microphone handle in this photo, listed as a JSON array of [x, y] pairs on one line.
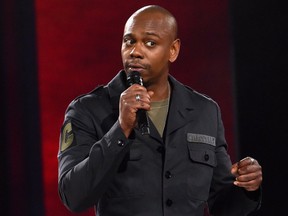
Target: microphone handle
[[134, 77], [143, 122]]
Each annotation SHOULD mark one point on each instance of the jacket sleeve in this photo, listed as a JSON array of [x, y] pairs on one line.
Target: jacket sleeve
[[87, 161], [226, 199]]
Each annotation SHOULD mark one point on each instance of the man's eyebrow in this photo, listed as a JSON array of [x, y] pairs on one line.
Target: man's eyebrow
[[146, 33], [127, 35], [153, 34]]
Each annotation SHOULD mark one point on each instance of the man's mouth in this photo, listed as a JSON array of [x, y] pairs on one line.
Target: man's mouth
[[135, 67]]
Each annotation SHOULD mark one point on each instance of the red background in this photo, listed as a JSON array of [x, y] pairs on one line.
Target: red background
[[79, 48]]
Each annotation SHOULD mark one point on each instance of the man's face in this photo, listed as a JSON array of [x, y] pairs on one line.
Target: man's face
[[146, 47]]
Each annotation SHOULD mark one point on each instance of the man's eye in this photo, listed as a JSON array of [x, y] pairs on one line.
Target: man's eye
[[150, 43], [128, 41]]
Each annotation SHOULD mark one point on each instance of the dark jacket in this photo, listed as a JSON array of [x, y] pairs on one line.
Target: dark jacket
[[181, 174]]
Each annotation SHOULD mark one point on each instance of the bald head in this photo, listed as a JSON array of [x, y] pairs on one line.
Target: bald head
[[155, 12]]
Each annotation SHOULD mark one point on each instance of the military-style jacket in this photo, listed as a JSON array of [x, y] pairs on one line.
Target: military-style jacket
[[182, 174]]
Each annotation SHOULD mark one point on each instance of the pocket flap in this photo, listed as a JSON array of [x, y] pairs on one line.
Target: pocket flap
[[204, 156]]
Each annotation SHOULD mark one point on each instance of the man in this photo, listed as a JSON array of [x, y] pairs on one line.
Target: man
[[180, 168]]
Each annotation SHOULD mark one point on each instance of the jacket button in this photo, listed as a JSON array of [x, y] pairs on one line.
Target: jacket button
[[169, 202], [168, 174], [206, 157], [121, 143]]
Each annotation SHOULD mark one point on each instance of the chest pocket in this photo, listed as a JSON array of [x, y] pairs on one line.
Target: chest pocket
[[199, 175], [128, 181]]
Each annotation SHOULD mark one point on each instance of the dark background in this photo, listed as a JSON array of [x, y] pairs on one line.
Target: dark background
[[260, 54], [52, 51]]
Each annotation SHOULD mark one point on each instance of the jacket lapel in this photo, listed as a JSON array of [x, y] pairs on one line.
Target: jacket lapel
[[182, 109]]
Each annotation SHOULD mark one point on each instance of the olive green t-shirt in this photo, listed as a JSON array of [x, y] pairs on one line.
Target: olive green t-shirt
[[158, 114]]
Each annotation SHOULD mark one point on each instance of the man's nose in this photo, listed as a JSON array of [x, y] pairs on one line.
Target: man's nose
[[136, 51]]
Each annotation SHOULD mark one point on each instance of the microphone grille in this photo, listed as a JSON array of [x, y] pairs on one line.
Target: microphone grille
[[134, 77]]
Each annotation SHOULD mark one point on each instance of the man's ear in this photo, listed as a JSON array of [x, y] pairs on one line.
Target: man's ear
[[174, 50]]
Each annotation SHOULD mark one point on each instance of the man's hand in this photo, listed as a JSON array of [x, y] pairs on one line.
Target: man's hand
[[133, 98], [248, 174]]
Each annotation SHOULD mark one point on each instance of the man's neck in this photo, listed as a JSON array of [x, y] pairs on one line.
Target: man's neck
[[161, 92]]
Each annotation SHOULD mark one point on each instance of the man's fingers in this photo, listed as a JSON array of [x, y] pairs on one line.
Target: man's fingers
[[246, 162], [249, 183]]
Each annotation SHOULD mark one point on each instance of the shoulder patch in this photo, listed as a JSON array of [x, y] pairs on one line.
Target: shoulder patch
[[67, 136]]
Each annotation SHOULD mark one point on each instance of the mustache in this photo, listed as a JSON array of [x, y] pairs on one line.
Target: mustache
[[136, 64]]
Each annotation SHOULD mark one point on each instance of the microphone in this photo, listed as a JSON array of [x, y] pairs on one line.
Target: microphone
[[134, 77]]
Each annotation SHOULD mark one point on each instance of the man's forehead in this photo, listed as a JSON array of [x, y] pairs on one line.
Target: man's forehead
[[149, 24]]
